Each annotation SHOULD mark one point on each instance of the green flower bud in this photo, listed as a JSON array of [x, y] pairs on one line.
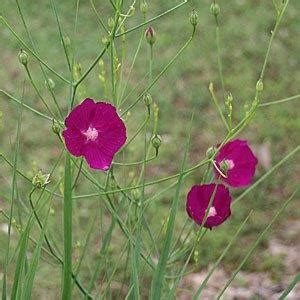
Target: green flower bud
[[55, 127], [224, 166], [131, 10], [259, 85], [150, 35], [49, 82], [194, 18], [105, 40], [210, 152], [23, 57], [144, 7], [40, 180], [156, 141], [67, 41], [111, 23], [147, 99], [215, 9]]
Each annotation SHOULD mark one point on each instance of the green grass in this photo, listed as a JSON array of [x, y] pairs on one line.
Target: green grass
[[244, 34]]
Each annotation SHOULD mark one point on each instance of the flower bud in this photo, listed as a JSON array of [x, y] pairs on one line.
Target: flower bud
[[194, 18], [215, 9], [131, 11], [224, 166], [40, 180], [150, 35], [23, 57], [259, 85], [50, 83], [105, 40], [144, 7], [156, 141], [147, 99], [210, 152], [67, 41], [111, 23], [55, 127]]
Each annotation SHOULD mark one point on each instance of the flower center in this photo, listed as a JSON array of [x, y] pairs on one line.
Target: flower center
[[226, 164], [91, 134], [212, 212]]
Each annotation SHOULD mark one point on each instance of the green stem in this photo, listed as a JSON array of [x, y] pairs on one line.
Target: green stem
[[153, 19], [279, 101], [31, 51], [160, 74]]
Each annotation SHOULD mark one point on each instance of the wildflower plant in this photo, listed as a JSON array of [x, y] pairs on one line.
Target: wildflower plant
[[108, 144]]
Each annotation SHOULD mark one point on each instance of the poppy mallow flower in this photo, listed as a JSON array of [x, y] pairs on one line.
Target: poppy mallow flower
[[235, 164], [94, 130], [198, 200]]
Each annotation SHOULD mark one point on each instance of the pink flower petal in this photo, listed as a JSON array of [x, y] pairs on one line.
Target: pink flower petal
[[96, 157], [81, 115], [74, 141], [244, 163], [95, 131], [197, 203]]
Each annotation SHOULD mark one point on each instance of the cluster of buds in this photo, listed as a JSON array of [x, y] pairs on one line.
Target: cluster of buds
[[40, 180]]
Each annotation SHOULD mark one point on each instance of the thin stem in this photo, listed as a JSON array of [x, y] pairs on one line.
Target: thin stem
[[98, 17], [61, 35], [40, 64], [38, 92], [27, 106], [94, 63], [274, 31], [216, 102], [31, 51], [280, 101], [161, 73], [220, 67], [153, 19]]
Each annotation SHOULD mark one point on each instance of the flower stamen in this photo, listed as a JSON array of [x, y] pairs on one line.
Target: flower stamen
[[212, 212], [91, 134]]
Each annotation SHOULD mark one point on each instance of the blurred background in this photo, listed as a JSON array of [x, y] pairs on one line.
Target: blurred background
[[244, 35]]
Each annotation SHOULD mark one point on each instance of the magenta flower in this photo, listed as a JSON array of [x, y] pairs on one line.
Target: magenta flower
[[197, 203], [95, 131], [235, 164]]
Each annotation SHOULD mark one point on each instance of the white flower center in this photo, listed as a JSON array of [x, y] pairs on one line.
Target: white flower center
[[230, 164], [212, 212], [91, 134]]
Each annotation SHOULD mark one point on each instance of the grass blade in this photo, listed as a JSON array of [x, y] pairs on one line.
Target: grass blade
[[290, 287], [255, 243], [203, 284], [14, 181], [20, 263], [158, 278], [67, 220]]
